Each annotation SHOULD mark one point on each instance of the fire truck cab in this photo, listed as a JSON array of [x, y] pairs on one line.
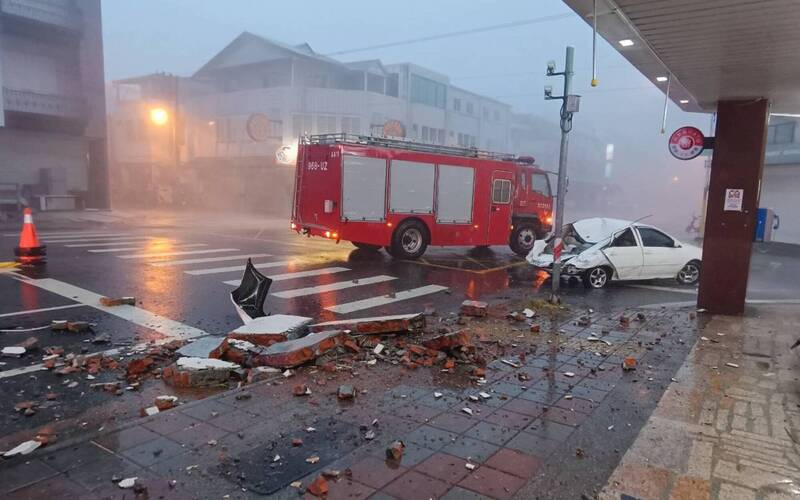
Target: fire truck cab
[[403, 196]]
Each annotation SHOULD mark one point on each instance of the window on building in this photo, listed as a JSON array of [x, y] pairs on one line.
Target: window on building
[[470, 108], [375, 83], [441, 136], [326, 124], [655, 238], [540, 184], [351, 125], [415, 131], [781, 133], [301, 124], [392, 85], [427, 91], [456, 104], [501, 191], [425, 131], [496, 115], [485, 113]]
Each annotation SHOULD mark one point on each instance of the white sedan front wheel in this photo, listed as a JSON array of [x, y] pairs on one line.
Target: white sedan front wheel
[[597, 277], [689, 274]]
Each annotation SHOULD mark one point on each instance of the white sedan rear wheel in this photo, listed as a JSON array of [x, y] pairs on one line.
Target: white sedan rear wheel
[[690, 273]]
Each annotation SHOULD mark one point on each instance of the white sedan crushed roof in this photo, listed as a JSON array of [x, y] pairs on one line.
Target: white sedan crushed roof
[[599, 250]]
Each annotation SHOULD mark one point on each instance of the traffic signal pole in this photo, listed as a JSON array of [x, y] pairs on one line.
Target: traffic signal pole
[[569, 105]]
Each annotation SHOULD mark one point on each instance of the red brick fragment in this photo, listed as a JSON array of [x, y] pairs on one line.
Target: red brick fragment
[[449, 364], [318, 487], [139, 366], [474, 308], [395, 450]]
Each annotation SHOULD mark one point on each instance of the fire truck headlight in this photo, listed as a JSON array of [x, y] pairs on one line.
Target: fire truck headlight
[[388, 224], [327, 234], [335, 236], [293, 226], [549, 219]]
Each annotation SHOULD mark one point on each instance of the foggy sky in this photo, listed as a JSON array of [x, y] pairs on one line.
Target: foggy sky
[[179, 36]]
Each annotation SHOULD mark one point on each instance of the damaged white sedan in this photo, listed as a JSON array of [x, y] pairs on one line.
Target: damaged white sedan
[[599, 250]]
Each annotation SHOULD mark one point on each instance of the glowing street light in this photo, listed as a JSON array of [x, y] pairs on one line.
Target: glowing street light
[[159, 116]]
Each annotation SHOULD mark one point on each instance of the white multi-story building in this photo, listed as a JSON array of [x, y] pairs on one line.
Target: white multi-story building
[[52, 107], [247, 106]]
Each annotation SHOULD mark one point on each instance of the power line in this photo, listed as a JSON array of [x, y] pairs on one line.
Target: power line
[[452, 34]]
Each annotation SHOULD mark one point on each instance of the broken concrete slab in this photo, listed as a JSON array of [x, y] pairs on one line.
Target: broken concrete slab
[[198, 372], [203, 347], [268, 330], [23, 448], [259, 373], [474, 308], [117, 301], [30, 344], [299, 351], [449, 341], [374, 325], [13, 351]]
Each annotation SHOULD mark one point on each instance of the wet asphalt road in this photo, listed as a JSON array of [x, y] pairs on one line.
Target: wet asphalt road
[[170, 271]]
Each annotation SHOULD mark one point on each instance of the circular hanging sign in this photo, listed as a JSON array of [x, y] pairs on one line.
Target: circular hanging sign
[[686, 143], [258, 127]]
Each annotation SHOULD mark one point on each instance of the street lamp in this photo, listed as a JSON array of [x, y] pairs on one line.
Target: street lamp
[[159, 116]]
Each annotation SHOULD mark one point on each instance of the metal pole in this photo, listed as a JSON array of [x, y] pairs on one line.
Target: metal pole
[[566, 126]]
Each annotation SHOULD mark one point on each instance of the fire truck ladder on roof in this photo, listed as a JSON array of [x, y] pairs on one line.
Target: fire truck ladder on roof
[[397, 143]]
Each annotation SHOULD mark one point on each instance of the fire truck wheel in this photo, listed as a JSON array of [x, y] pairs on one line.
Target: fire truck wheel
[[522, 238], [366, 246], [410, 240]]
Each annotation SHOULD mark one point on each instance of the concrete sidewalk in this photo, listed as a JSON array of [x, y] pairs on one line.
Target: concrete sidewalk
[[729, 427], [559, 416]]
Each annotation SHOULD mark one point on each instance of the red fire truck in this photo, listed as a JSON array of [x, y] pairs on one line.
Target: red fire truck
[[403, 196]]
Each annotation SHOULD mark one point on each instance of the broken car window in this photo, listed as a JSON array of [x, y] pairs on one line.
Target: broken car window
[[626, 239], [655, 238]]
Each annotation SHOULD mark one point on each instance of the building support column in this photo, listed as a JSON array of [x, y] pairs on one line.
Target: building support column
[[737, 163]]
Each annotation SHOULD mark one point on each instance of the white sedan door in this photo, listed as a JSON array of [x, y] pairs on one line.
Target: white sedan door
[[662, 259], [625, 254]]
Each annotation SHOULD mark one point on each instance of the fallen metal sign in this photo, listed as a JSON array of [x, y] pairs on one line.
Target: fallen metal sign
[[251, 293]]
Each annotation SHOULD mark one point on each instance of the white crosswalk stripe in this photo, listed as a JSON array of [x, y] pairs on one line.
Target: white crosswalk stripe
[[79, 238], [359, 305], [131, 249], [106, 243], [204, 260], [330, 287], [218, 270], [300, 274], [65, 234], [154, 255]]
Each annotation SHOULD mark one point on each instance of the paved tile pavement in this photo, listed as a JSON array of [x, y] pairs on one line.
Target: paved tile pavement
[[539, 429]]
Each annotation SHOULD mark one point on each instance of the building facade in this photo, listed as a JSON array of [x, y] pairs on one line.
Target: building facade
[[232, 127], [52, 111], [780, 182]]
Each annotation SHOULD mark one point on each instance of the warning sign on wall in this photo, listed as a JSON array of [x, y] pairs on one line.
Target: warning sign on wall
[[733, 200]]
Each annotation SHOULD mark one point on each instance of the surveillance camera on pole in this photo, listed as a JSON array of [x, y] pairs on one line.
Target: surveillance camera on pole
[[569, 104]]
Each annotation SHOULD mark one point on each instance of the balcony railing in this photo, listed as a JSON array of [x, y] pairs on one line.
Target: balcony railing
[[61, 13], [23, 101]]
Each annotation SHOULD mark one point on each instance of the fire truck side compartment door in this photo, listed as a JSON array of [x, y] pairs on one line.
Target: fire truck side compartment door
[[454, 194], [363, 188], [411, 187], [500, 207]]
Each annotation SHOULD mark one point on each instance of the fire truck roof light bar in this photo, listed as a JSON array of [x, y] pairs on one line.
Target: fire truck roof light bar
[[397, 143]]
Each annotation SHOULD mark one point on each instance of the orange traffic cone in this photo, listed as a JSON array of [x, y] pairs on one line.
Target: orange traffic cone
[[29, 251]]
